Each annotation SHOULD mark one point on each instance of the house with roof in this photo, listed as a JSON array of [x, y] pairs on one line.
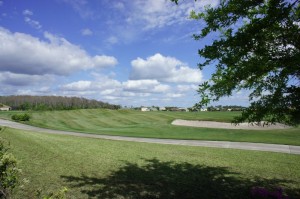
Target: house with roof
[[145, 109], [4, 107]]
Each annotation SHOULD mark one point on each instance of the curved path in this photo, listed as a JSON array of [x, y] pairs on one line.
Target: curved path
[[218, 144]]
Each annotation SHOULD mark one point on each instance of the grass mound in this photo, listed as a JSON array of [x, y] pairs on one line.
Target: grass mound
[[155, 125]]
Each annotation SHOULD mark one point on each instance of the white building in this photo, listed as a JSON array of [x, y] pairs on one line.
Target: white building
[[5, 108], [145, 109], [162, 108]]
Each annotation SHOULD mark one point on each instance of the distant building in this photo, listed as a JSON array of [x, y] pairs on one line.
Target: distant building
[[162, 108], [5, 108], [145, 109], [183, 109], [203, 109], [153, 109]]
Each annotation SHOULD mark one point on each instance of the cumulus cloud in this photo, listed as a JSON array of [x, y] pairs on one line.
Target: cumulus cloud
[[18, 84], [131, 92], [165, 69], [175, 95], [186, 88], [78, 86], [100, 84], [145, 86], [12, 79], [109, 86], [24, 54], [86, 32]]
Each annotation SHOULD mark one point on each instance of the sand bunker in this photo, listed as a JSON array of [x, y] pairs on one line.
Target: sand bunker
[[223, 125]]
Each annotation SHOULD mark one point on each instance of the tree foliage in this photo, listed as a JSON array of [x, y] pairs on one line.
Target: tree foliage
[[20, 117], [256, 48], [27, 102], [9, 173]]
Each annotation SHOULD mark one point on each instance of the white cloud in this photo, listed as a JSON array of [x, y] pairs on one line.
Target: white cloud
[[131, 92], [81, 7], [78, 86], [108, 92], [145, 86], [106, 88], [136, 18], [102, 84], [17, 84], [104, 61], [119, 5], [27, 18], [160, 13], [27, 12], [165, 69], [86, 32], [175, 95], [33, 23], [112, 40], [186, 88], [24, 54], [12, 79], [37, 91]]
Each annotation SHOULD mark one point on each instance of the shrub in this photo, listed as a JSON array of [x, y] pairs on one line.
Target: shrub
[[20, 117], [9, 172]]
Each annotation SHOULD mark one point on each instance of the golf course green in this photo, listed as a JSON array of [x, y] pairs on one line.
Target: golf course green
[[96, 168]]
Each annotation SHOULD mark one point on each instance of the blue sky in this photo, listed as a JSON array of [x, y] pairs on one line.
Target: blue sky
[[132, 53]]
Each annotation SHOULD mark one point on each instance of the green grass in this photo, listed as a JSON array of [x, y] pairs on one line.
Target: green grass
[[155, 125], [95, 168]]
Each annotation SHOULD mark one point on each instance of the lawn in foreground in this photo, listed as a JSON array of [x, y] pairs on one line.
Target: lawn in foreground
[[95, 168], [155, 125]]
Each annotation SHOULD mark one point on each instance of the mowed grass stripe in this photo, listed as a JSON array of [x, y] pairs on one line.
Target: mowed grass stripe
[[155, 125], [92, 168]]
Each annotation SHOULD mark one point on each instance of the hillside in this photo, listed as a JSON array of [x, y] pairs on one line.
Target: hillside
[[154, 125]]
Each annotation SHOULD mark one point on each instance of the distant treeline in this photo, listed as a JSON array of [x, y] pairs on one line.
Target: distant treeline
[[27, 102], [225, 108]]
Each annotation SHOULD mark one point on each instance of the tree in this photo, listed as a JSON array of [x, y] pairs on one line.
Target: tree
[[256, 47]]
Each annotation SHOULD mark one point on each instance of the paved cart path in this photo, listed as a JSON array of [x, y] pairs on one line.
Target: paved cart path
[[217, 144]]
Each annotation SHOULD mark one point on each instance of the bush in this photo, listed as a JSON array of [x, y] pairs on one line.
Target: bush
[[20, 117], [9, 172]]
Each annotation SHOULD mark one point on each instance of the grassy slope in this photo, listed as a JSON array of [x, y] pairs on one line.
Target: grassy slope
[[93, 168], [155, 124]]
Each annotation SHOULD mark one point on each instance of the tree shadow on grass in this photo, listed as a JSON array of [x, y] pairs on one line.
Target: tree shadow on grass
[[166, 180]]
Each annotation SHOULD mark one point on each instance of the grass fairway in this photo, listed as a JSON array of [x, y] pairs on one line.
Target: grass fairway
[[155, 125], [93, 168]]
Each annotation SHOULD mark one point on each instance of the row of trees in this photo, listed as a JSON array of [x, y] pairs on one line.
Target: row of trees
[[226, 108], [27, 102], [218, 108]]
